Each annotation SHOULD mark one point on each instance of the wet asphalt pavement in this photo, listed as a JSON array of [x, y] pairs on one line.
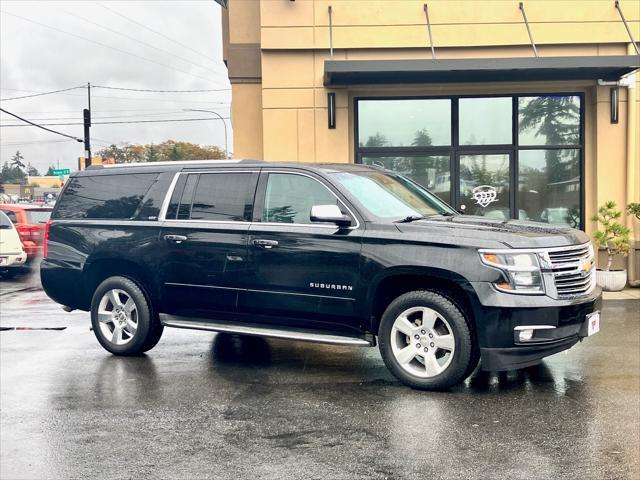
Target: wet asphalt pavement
[[202, 405]]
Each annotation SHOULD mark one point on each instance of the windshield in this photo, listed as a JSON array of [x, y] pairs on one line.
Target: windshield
[[386, 195], [38, 216]]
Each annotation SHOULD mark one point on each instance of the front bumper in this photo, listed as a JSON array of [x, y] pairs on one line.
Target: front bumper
[[561, 325]]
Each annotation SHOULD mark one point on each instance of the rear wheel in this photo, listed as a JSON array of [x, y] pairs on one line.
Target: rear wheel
[[426, 342], [122, 317]]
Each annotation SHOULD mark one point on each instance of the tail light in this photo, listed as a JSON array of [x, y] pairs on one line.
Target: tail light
[[46, 239], [28, 232]]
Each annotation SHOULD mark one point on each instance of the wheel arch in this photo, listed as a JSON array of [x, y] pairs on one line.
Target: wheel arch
[[99, 269], [393, 282]]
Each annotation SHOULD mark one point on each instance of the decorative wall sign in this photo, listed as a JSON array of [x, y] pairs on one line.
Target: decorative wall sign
[[484, 195]]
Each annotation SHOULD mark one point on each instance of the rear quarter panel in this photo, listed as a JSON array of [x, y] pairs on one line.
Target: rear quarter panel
[[75, 245]]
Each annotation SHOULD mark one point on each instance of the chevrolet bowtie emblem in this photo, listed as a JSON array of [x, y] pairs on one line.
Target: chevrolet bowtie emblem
[[586, 265]]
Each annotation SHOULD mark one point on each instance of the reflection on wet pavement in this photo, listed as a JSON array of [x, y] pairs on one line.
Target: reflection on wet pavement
[[206, 405]]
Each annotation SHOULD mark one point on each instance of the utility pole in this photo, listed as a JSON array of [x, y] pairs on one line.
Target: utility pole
[[86, 117]]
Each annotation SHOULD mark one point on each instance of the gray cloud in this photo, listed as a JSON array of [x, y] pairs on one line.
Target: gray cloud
[[35, 58]]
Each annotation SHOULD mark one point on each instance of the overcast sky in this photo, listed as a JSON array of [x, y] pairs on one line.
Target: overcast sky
[[184, 53]]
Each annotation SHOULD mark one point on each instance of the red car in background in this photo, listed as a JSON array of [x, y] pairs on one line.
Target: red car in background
[[30, 222]]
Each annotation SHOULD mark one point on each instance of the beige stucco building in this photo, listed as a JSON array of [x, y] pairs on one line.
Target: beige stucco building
[[477, 109]]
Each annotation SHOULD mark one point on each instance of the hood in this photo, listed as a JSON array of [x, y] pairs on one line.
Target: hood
[[512, 233]]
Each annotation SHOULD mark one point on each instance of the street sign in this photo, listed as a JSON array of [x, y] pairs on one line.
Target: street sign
[[62, 171]]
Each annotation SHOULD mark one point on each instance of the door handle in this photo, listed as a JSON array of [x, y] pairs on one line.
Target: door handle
[[175, 238], [265, 243]]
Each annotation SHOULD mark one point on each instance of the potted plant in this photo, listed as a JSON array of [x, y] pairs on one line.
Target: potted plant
[[614, 238], [634, 209]]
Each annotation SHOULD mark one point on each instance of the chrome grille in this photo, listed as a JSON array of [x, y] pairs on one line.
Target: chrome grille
[[573, 270]]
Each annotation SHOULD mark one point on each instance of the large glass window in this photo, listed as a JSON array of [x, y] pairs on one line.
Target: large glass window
[[289, 198], [507, 156], [485, 121], [549, 185], [404, 123], [549, 120], [431, 171]]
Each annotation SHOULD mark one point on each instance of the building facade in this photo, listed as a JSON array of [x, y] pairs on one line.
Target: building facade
[[535, 119]]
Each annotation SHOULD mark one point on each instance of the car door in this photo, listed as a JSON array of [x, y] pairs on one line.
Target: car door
[[205, 234], [303, 273]]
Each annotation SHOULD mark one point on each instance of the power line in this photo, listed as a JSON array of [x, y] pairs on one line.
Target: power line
[[40, 126], [164, 91], [33, 142], [165, 120], [216, 72], [153, 99], [157, 33], [38, 94], [106, 46], [99, 117]]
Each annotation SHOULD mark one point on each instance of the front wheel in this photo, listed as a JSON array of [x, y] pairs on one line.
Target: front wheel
[[123, 318], [425, 341]]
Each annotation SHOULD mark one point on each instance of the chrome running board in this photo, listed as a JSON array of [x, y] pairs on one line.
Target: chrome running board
[[266, 331]]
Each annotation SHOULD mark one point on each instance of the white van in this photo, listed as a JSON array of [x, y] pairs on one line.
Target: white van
[[11, 253]]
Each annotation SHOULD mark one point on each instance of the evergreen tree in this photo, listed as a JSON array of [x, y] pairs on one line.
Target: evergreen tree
[[151, 154], [16, 160], [32, 171]]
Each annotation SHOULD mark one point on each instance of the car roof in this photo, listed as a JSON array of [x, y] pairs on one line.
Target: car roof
[[18, 207], [213, 164]]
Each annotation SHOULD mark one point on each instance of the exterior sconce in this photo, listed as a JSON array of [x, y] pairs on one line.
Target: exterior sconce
[[614, 93], [331, 109]]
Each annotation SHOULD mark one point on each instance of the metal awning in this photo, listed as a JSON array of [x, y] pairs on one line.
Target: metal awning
[[376, 72]]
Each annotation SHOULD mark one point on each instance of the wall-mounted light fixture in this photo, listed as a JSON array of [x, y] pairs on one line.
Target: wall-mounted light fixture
[[614, 93], [331, 109]]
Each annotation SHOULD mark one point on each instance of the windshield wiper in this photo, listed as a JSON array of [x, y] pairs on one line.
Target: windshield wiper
[[446, 214], [409, 219]]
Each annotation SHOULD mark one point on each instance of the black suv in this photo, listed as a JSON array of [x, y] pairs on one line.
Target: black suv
[[341, 254]]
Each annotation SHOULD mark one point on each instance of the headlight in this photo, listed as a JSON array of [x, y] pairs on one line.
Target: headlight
[[522, 271]]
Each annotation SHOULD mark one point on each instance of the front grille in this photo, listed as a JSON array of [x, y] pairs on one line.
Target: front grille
[[573, 270]]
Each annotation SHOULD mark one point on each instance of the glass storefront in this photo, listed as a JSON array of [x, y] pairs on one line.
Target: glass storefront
[[516, 156]]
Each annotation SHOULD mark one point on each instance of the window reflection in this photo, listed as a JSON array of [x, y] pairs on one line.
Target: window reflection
[[484, 185], [485, 121], [549, 185], [432, 172], [549, 120], [404, 123], [289, 198]]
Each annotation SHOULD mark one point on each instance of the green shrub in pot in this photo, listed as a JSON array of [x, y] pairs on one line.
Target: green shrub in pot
[[614, 238]]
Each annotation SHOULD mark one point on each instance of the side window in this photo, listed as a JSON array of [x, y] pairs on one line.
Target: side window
[[104, 196], [184, 209], [223, 197], [11, 215], [289, 198]]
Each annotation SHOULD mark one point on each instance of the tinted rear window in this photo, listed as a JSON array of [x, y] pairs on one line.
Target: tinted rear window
[[38, 216], [4, 221], [223, 196], [104, 196]]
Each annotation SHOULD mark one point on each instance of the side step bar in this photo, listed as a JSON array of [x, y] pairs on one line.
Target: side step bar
[[267, 331]]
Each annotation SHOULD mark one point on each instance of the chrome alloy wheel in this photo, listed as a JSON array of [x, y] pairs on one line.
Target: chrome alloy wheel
[[422, 342], [118, 317]]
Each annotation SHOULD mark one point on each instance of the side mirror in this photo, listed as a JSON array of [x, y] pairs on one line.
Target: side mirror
[[330, 214]]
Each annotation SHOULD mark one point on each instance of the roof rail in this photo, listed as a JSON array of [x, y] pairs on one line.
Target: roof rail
[[177, 162]]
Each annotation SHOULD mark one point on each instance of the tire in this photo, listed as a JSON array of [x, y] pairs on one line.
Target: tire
[[444, 353], [123, 318]]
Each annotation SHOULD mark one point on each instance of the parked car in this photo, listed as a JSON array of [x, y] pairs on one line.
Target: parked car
[[30, 221], [12, 255], [341, 254]]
